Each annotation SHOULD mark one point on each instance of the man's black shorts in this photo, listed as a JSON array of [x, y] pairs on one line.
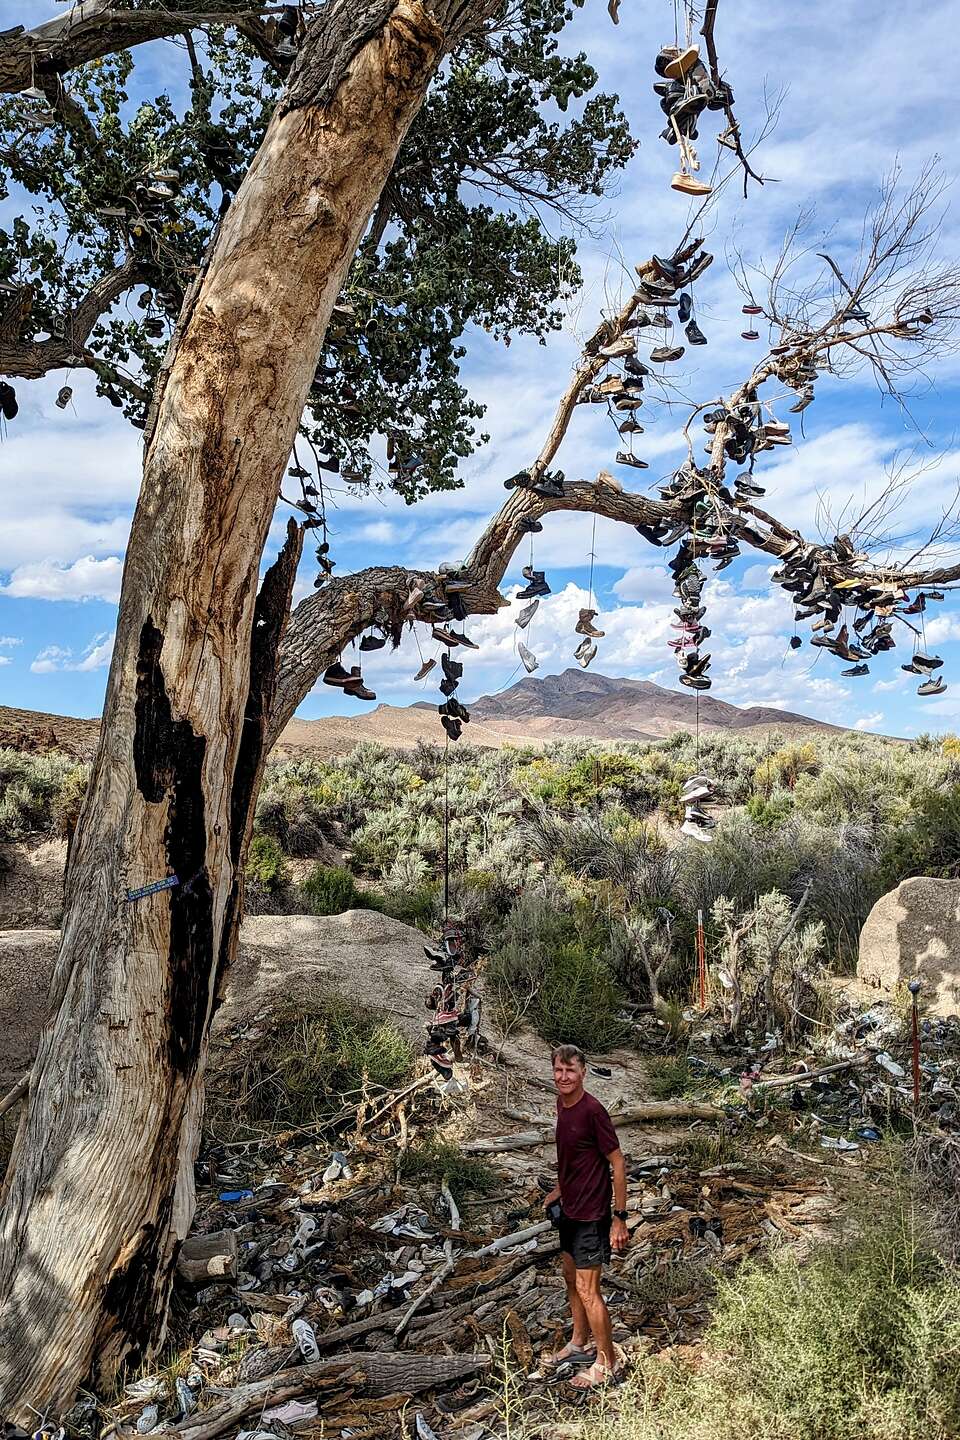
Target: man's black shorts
[[586, 1241]]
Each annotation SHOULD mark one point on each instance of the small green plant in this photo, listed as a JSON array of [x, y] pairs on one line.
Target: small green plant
[[669, 1077], [329, 890], [437, 1160], [266, 863]]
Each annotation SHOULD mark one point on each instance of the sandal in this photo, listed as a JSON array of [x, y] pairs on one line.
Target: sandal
[[571, 1354]]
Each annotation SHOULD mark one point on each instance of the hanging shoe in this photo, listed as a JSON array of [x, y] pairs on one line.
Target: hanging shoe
[[8, 401], [795, 642], [413, 599], [677, 68], [372, 642], [336, 674], [454, 709], [625, 458], [932, 687], [630, 427], [636, 368], [749, 335], [425, 669], [530, 661], [685, 307], [689, 184], [358, 690], [453, 727], [856, 670], [613, 385], [452, 669], [617, 349], [528, 526], [586, 656], [65, 394], [662, 354], [806, 398], [445, 636], [694, 334], [695, 831], [535, 589], [926, 662], [521, 479], [585, 625], [527, 614], [447, 687], [696, 682], [550, 487]]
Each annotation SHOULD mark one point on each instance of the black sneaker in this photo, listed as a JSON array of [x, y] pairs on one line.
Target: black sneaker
[[685, 308], [694, 334], [372, 642], [856, 670], [452, 669], [625, 458], [550, 487], [528, 526], [453, 727], [522, 478]]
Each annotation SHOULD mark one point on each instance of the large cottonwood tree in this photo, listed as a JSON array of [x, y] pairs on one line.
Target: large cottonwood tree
[[349, 172]]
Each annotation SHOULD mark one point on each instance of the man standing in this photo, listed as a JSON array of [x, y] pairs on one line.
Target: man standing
[[587, 1151]]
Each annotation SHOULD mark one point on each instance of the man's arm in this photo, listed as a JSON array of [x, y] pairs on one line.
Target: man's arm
[[619, 1234], [554, 1195]]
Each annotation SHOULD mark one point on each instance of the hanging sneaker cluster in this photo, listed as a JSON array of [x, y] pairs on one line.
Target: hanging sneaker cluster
[[803, 573], [696, 794], [587, 650], [453, 715], [746, 434], [796, 369], [685, 90], [692, 632], [455, 1005], [349, 681], [549, 485]]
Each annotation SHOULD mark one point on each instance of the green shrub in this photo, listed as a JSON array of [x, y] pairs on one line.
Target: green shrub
[[860, 1342], [414, 907], [266, 863], [30, 790], [329, 890], [310, 1061], [436, 1160]]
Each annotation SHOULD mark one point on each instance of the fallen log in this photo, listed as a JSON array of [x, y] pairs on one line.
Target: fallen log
[[655, 1110], [523, 1140], [206, 1257], [16, 1094], [801, 1077], [379, 1374]]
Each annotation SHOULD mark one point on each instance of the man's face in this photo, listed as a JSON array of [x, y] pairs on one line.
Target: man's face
[[568, 1075]]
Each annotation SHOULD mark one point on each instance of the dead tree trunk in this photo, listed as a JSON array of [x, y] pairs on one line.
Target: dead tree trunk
[[100, 1187]]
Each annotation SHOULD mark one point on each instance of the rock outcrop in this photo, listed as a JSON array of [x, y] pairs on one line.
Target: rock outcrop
[[914, 932]]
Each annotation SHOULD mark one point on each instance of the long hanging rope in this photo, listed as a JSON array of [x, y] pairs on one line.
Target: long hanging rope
[[697, 698], [446, 830], [593, 547]]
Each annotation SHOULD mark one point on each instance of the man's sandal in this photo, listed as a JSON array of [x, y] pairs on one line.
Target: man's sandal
[[571, 1354], [599, 1375]]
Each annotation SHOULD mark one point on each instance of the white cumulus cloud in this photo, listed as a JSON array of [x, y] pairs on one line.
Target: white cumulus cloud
[[83, 579]]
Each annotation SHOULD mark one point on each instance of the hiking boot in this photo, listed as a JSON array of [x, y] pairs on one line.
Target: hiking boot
[[617, 349], [932, 687], [528, 526], [336, 675], [694, 334], [530, 661], [358, 690], [533, 590], [372, 642], [454, 709], [662, 354], [611, 386], [624, 458], [527, 614], [425, 669], [549, 486], [585, 626]]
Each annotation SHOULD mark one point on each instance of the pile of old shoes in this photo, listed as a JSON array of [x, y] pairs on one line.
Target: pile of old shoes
[[349, 681], [586, 650], [696, 794], [453, 715]]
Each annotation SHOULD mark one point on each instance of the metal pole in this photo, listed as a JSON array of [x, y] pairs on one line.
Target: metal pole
[[914, 987]]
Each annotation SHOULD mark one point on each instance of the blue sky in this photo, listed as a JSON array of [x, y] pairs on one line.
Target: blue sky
[[862, 86]]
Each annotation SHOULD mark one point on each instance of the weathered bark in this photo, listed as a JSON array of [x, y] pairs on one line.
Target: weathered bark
[[100, 1182]]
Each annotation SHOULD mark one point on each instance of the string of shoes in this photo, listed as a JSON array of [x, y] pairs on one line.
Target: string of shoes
[[455, 1004], [697, 793], [686, 90]]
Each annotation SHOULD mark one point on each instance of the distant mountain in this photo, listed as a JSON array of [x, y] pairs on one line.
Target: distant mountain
[[570, 706]]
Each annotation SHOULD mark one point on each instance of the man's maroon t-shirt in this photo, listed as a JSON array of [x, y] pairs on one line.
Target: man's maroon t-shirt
[[585, 1137]]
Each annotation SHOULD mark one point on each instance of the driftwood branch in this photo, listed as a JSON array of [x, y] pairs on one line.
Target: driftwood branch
[[14, 1096]]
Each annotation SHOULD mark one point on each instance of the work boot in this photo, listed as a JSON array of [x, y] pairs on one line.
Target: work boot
[[530, 661], [358, 690], [452, 669], [585, 626], [425, 669], [533, 590], [527, 614]]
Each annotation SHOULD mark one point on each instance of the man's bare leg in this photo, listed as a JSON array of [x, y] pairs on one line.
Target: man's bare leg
[[594, 1306], [580, 1339]]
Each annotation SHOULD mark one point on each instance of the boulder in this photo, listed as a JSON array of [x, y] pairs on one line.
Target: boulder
[[360, 956], [31, 884], [914, 931]]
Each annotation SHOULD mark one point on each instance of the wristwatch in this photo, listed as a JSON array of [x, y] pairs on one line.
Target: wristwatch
[[619, 1214]]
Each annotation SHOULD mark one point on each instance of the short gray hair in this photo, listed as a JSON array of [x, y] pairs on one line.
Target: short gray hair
[[566, 1053]]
